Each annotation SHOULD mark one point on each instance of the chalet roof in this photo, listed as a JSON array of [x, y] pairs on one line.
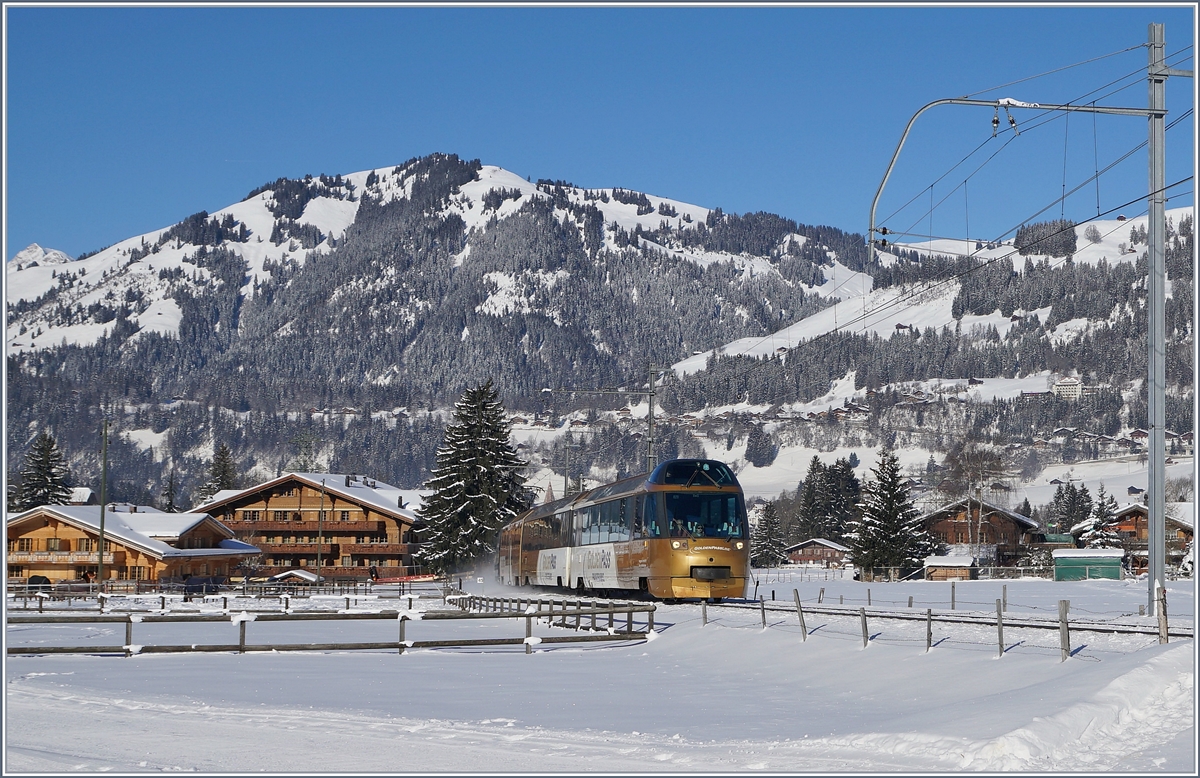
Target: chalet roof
[[957, 505], [816, 541], [135, 529], [1087, 553], [379, 496], [81, 495], [949, 561]]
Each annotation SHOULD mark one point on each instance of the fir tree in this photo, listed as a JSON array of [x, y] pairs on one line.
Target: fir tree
[[766, 544], [476, 486], [169, 493], [1103, 531], [44, 474], [886, 534], [222, 474]]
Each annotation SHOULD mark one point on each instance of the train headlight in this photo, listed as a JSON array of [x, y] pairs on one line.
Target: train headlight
[[678, 544], [739, 545]]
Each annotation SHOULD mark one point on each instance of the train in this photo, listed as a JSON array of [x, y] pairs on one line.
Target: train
[[678, 533]]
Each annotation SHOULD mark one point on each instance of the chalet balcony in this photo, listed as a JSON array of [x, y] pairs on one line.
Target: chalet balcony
[[329, 527], [57, 557], [376, 549], [326, 549]]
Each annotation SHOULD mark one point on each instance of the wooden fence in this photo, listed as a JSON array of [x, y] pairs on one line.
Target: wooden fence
[[470, 607]]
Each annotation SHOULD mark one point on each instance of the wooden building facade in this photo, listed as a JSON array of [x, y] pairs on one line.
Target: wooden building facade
[[62, 543], [998, 537], [358, 526]]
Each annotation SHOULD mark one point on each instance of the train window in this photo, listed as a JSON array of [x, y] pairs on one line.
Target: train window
[[705, 515], [650, 513], [694, 472]]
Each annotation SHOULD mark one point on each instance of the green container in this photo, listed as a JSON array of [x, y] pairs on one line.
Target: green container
[[1081, 568]]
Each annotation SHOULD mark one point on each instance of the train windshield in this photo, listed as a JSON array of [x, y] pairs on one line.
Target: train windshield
[[693, 472], [705, 515]]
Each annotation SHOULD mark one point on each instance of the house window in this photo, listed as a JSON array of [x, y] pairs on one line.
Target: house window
[[279, 515], [322, 515], [52, 544], [296, 516], [344, 515], [137, 573], [345, 561], [250, 515], [204, 569], [16, 571], [25, 544]]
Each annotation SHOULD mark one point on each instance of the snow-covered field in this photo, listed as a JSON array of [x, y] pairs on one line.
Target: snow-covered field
[[728, 696]]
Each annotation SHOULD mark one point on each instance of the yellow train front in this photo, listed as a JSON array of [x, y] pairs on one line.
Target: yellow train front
[[679, 533]]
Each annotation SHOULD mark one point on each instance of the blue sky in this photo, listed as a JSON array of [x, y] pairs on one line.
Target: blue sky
[[124, 120]]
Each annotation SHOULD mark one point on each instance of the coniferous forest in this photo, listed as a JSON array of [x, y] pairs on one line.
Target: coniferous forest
[[404, 311]]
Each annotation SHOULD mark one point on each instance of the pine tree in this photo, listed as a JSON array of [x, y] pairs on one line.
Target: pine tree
[[169, 493], [1103, 532], [886, 534], [476, 486], [766, 544], [222, 474], [44, 474]]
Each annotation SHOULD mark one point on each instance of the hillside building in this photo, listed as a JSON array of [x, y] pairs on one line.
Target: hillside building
[[62, 542], [998, 538], [359, 526]]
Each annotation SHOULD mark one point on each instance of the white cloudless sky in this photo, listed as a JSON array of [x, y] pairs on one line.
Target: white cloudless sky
[[124, 120]]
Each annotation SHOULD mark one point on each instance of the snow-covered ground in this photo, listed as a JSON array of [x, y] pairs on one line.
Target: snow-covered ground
[[728, 696]]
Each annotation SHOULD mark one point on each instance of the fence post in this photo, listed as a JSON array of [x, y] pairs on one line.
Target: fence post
[[800, 613], [1004, 596], [650, 619], [1064, 635], [910, 600], [704, 613], [1162, 614], [592, 608], [762, 608], [242, 636], [868, 596], [841, 599], [821, 595], [1000, 628], [528, 634], [129, 636], [952, 595], [578, 608], [629, 619], [862, 615], [400, 641], [928, 629]]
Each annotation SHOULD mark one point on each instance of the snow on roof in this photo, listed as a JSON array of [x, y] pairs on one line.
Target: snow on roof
[[949, 561], [80, 494], [1087, 553], [133, 528], [378, 495], [822, 541], [988, 507], [304, 574]]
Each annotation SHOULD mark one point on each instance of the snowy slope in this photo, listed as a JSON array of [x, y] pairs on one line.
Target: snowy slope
[[770, 701]]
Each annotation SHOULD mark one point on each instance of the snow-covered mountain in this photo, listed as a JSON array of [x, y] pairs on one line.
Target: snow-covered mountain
[[349, 311]]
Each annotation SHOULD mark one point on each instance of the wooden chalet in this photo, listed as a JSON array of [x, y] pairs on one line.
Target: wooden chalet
[[62, 542], [360, 527], [817, 551], [1131, 525], [1001, 538]]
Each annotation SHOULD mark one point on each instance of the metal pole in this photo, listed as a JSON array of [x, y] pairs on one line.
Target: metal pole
[[1156, 321], [103, 499], [650, 437], [321, 534]]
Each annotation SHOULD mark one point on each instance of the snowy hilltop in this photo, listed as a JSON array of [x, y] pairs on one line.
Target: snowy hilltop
[[365, 303]]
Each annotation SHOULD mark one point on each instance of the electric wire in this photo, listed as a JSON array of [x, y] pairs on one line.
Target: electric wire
[[1057, 70]]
